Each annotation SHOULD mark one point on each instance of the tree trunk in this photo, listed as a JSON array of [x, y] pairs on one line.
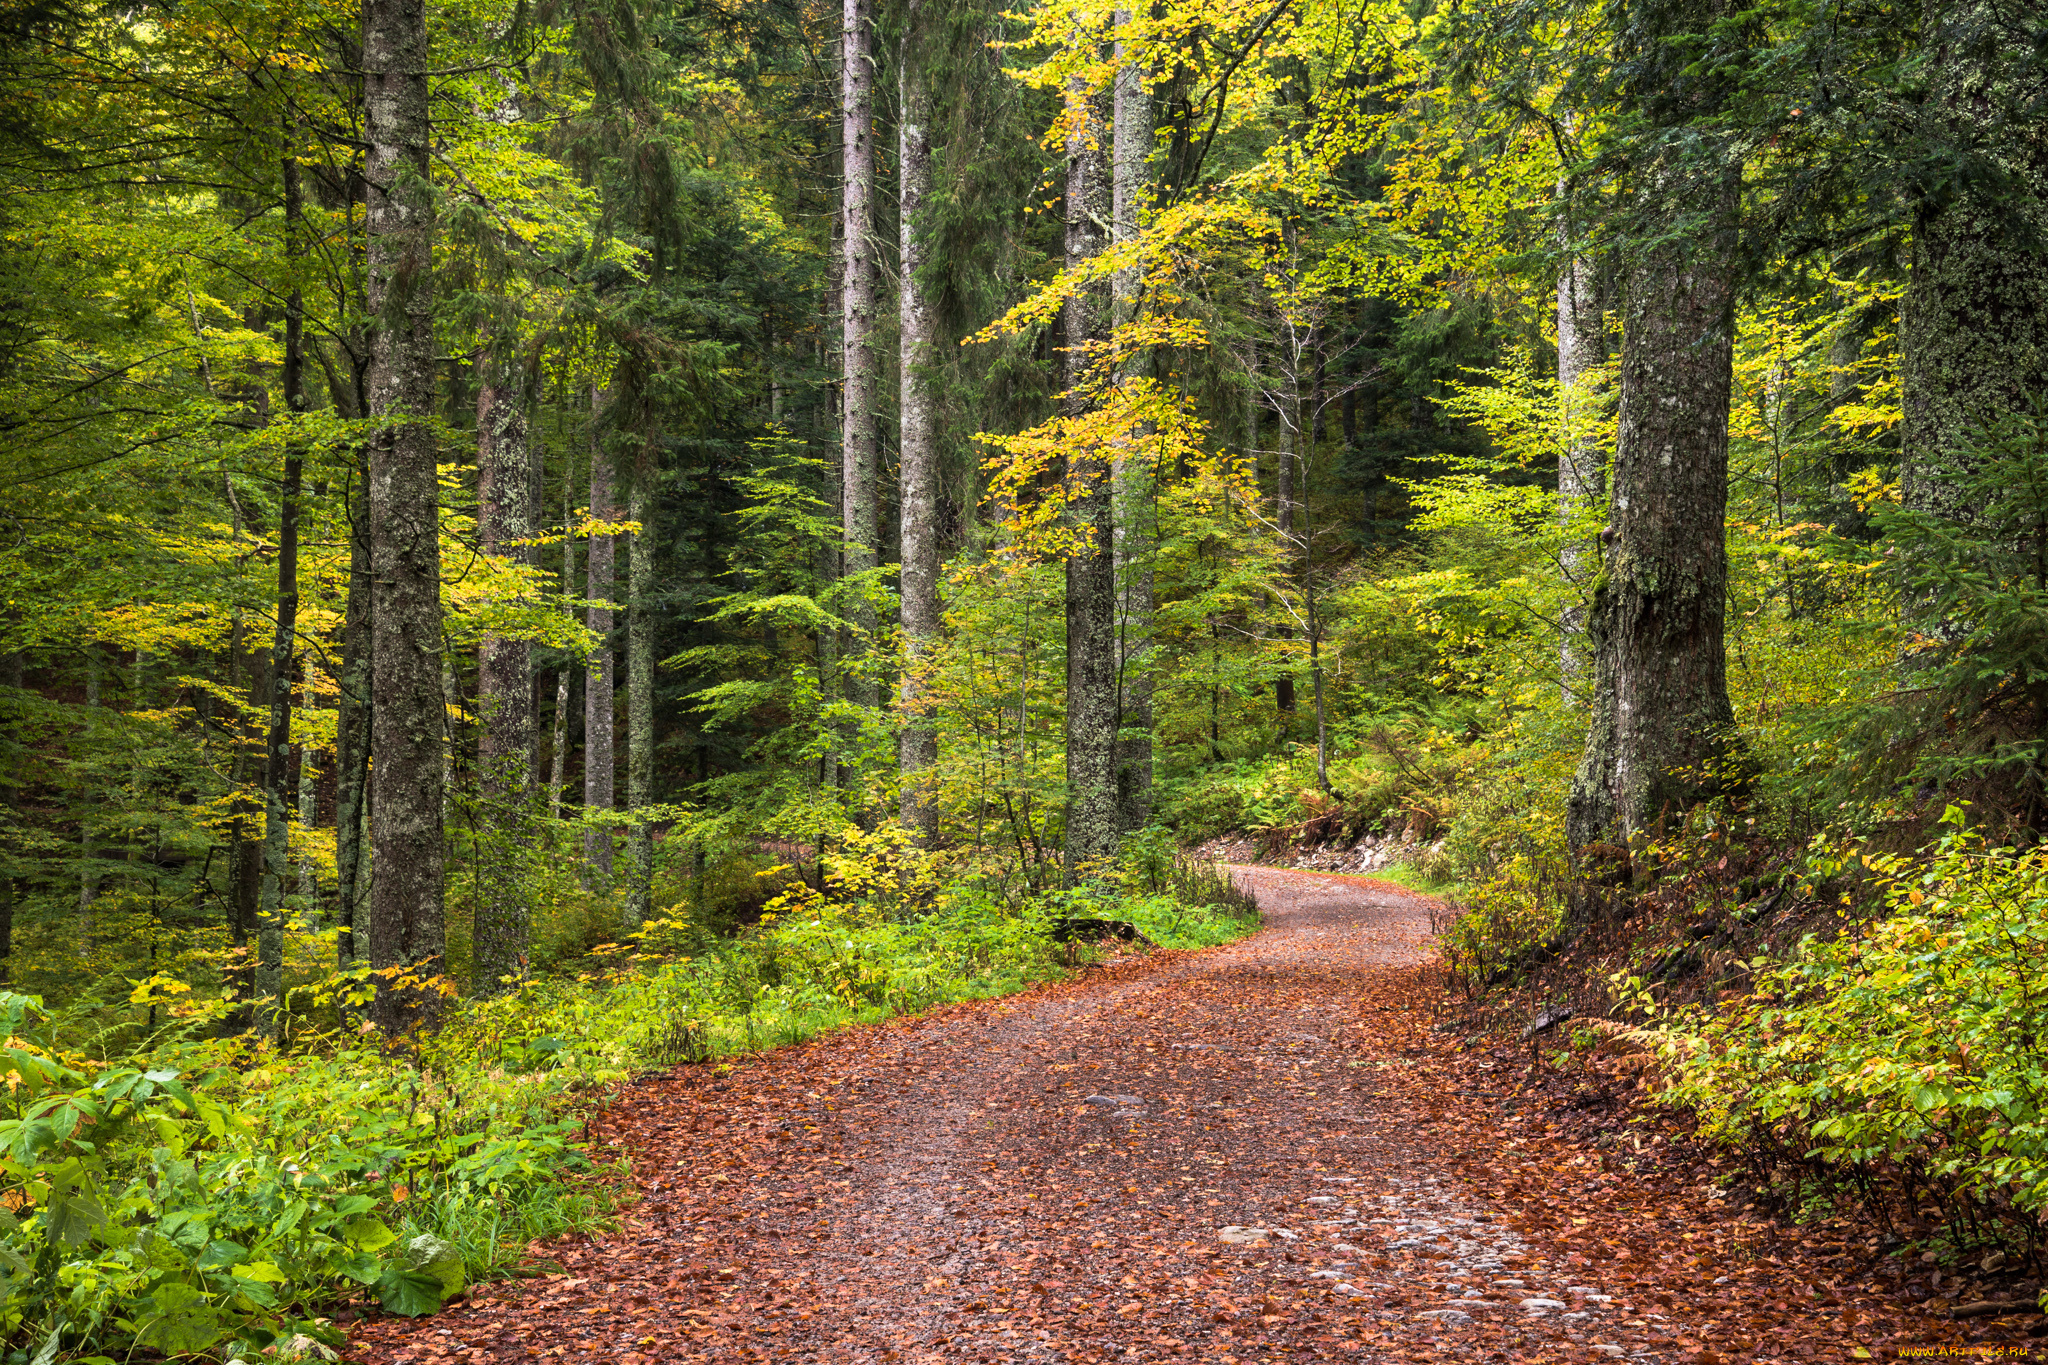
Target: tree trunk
[[1581, 347], [640, 696], [1134, 513], [917, 743], [860, 525], [505, 517], [352, 739], [277, 753], [406, 926], [558, 749], [1283, 492], [600, 772], [1091, 596], [1974, 319], [1661, 711]]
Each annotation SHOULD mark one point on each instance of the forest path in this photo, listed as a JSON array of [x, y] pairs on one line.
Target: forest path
[[1243, 1153]]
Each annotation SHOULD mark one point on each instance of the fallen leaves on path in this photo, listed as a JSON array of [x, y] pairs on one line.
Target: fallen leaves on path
[[1050, 1177]]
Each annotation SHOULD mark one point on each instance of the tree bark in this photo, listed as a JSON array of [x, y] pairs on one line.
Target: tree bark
[[1091, 595], [558, 749], [352, 737], [1581, 347], [859, 456], [269, 981], [1134, 513], [505, 517], [406, 925], [600, 771], [1974, 319], [1661, 711], [917, 742], [640, 696]]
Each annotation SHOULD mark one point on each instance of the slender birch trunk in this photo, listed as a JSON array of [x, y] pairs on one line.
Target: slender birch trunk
[[917, 744], [406, 925]]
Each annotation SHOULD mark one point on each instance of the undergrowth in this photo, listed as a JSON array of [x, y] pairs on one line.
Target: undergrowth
[[197, 1191]]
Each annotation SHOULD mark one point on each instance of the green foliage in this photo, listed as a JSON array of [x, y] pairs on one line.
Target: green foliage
[[1902, 1056]]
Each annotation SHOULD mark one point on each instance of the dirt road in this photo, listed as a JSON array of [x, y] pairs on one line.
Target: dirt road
[[1220, 1156]]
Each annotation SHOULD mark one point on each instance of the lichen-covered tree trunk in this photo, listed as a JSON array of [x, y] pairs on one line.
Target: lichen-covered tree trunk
[[859, 453], [406, 925], [1136, 492], [917, 745], [277, 750], [640, 695], [600, 773], [505, 517], [1660, 711], [1091, 596], [1974, 319], [1581, 347]]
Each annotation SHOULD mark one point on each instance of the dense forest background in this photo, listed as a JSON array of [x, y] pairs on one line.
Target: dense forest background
[[487, 484]]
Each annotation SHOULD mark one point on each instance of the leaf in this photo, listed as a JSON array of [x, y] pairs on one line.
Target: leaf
[[71, 1218], [370, 1234], [409, 1292]]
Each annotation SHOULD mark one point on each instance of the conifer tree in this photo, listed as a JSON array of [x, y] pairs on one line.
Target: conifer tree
[[406, 928]]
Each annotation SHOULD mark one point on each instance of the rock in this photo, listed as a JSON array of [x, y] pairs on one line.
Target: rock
[[1320, 1199], [1608, 1348], [1241, 1237], [1545, 1304], [1450, 1317], [1325, 1275], [1508, 1284], [1546, 1021], [429, 1255], [1113, 1101]]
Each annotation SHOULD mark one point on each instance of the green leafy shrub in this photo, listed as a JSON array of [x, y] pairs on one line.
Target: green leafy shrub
[[1902, 1059]]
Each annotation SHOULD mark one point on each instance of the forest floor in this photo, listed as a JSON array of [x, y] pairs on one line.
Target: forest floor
[[1273, 1150]]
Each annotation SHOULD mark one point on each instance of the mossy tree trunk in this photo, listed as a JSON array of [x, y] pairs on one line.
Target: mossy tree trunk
[[1660, 714]]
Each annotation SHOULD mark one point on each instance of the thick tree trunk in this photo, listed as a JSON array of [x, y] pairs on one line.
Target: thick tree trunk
[[1135, 511], [1974, 320], [859, 456], [1660, 711], [640, 696], [917, 742], [352, 739], [1091, 597], [1581, 347], [406, 925], [505, 517], [600, 771], [277, 753]]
